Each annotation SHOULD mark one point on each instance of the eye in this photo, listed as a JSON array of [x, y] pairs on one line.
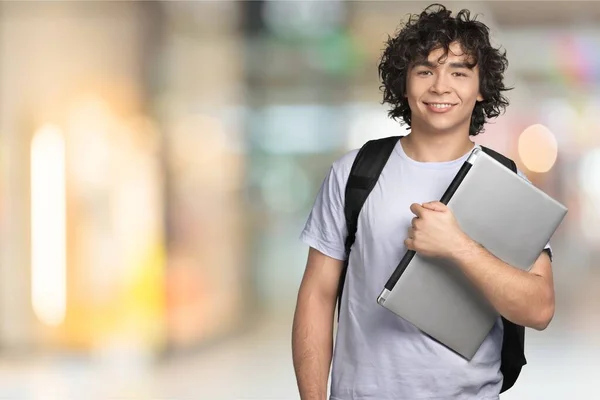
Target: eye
[[460, 74], [424, 73]]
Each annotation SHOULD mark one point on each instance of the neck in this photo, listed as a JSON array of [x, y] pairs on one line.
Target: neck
[[444, 147]]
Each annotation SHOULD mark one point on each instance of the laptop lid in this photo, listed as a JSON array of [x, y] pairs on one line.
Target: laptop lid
[[510, 217]]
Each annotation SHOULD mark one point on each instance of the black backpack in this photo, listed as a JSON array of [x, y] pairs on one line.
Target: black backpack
[[364, 174]]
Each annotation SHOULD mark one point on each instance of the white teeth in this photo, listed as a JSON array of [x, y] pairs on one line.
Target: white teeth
[[440, 105]]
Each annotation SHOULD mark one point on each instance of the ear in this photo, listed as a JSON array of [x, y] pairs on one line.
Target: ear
[[479, 97]]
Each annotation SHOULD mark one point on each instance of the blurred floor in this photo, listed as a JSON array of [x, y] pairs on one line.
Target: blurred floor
[[257, 365]]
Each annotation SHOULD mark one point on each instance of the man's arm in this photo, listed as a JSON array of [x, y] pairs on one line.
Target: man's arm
[[312, 331], [523, 297]]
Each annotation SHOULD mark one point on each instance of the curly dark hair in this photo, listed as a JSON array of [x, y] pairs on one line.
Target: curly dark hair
[[433, 29]]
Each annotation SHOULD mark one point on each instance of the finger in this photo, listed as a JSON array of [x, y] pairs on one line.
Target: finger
[[435, 206], [413, 222], [411, 233], [417, 209]]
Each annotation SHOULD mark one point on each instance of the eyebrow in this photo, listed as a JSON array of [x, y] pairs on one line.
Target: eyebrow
[[429, 64]]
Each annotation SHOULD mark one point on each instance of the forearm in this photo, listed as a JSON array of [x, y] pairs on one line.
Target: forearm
[[519, 296], [312, 344]]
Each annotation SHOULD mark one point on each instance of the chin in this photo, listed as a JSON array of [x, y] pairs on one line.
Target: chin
[[442, 124], [444, 128], [447, 126]]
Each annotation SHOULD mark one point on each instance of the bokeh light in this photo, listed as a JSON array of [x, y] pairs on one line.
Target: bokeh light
[[368, 123], [48, 225], [589, 173], [538, 148]]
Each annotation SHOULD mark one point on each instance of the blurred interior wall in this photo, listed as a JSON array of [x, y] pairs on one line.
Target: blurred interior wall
[[57, 59], [143, 102], [198, 105]]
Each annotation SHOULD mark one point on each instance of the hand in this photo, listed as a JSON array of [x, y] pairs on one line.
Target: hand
[[434, 232]]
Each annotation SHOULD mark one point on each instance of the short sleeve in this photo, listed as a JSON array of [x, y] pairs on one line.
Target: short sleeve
[[325, 229], [548, 248]]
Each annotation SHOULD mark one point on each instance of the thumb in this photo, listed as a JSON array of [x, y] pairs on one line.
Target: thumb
[[435, 206]]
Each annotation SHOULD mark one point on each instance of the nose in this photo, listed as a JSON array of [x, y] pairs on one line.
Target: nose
[[440, 84]]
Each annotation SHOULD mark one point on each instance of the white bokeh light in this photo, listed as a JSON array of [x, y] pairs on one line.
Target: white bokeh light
[[368, 124], [48, 225], [589, 173]]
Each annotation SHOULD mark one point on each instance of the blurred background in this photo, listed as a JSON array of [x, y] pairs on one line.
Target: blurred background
[[158, 161]]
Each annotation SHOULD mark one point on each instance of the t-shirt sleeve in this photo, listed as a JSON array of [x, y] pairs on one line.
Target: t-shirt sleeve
[[325, 229], [548, 248]]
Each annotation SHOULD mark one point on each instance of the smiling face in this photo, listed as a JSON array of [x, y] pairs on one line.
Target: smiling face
[[442, 92]]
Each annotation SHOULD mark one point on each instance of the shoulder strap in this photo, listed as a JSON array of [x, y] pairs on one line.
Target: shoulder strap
[[513, 344], [507, 162], [365, 171], [367, 167]]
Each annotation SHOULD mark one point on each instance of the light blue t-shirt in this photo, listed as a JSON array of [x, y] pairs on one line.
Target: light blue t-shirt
[[377, 355]]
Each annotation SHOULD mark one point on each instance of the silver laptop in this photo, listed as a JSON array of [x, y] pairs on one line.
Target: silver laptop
[[511, 218]]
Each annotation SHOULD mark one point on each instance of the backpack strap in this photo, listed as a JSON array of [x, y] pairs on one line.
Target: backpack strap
[[365, 171], [507, 162], [513, 344]]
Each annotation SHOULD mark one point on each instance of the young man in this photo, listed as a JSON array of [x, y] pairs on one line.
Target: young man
[[442, 77]]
